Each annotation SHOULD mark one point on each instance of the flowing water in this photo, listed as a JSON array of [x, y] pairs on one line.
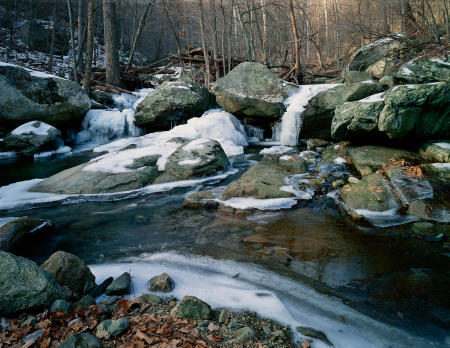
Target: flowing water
[[364, 286]]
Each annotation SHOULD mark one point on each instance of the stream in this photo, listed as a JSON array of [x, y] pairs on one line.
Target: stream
[[361, 285]]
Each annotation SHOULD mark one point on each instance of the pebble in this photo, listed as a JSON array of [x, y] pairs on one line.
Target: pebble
[[353, 180]]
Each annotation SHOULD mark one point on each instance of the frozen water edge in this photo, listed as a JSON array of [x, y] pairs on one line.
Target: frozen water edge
[[16, 197], [269, 294]]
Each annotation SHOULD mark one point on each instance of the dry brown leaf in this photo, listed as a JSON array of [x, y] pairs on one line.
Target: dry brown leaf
[[213, 327]]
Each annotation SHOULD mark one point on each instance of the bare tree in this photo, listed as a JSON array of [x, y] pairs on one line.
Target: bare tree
[[52, 42], [89, 44], [111, 42], [205, 51], [296, 41], [72, 40]]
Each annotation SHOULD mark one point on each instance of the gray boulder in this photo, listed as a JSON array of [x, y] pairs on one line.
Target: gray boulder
[[27, 95], [69, 270], [356, 76], [438, 151], [192, 307], [33, 137], [113, 328], [370, 54], [17, 231], [202, 199], [161, 282], [199, 157], [425, 71], [171, 103], [319, 112], [24, 286], [120, 285], [251, 89]]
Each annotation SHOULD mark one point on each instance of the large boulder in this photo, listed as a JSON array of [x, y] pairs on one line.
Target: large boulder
[[193, 308], [260, 181], [33, 137], [172, 103], [424, 71], [27, 95], [436, 151], [18, 230], [251, 89], [37, 35], [199, 157], [370, 54], [69, 270], [372, 193], [370, 158], [419, 110], [319, 112], [24, 286]]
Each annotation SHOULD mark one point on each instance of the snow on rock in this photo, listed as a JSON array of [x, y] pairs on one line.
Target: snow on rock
[[373, 98], [33, 127], [292, 120], [260, 204], [276, 150]]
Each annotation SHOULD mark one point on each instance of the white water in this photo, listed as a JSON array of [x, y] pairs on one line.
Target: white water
[[267, 293], [292, 120]]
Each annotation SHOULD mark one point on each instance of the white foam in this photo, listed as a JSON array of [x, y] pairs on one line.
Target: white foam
[[269, 294], [276, 150], [29, 128], [292, 120]]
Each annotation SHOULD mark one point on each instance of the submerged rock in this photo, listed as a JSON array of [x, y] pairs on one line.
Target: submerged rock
[[17, 231], [251, 89], [27, 95], [120, 285], [24, 286], [310, 332], [202, 199], [199, 157], [172, 103], [192, 307], [33, 137], [69, 270], [372, 193], [260, 181], [320, 110], [161, 282]]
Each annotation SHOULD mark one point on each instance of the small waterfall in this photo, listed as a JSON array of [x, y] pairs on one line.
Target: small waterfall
[[292, 120], [254, 132], [276, 131]]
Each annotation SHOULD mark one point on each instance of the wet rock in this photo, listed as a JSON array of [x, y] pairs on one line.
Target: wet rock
[[291, 163], [149, 298], [312, 144], [85, 301], [320, 110], [372, 193], [120, 285], [199, 157], [14, 233], [161, 282], [192, 307], [436, 151], [310, 332], [251, 89], [113, 328], [244, 335], [81, 340], [50, 99], [201, 199], [101, 288], [172, 102], [24, 286], [439, 172], [69, 270], [33, 137], [420, 209], [61, 306], [260, 181], [370, 158]]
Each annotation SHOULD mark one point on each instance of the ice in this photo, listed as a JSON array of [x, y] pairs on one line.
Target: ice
[[292, 120], [7, 155], [189, 162], [276, 150], [124, 100], [254, 132], [276, 131], [288, 301], [385, 218], [195, 145], [340, 160], [300, 187], [61, 150], [443, 145], [5, 220], [442, 166], [260, 204], [29, 127], [286, 158]]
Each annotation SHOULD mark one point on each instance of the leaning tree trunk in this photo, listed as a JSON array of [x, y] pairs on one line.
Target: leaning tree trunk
[[298, 71], [138, 34], [89, 45], [72, 40], [111, 43], [205, 51]]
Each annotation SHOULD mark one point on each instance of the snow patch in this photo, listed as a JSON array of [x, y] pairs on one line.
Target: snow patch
[[260, 204], [276, 150], [190, 162], [33, 127]]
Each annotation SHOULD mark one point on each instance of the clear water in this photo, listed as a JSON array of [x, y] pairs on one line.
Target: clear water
[[382, 272]]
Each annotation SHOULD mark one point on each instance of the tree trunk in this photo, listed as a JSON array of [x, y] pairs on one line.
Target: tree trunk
[[446, 17], [338, 38], [80, 34], [52, 43], [205, 51], [138, 34], [89, 45], [409, 23], [212, 7], [72, 40], [111, 43], [298, 72], [264, 31]]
